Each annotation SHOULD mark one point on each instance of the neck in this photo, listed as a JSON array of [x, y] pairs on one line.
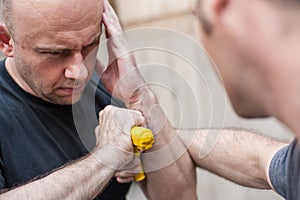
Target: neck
[[13, 72], [287, 107]]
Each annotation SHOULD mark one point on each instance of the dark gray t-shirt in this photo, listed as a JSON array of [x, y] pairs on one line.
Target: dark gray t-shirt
[[37, 137], [284, 172]]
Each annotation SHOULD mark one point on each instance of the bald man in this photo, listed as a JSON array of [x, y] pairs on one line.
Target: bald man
[[48, 97]]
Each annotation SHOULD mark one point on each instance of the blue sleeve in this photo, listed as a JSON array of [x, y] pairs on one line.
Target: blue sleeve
[[278, 171]]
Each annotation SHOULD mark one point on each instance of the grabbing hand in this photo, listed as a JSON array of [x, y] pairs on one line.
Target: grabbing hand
[[113, 135]]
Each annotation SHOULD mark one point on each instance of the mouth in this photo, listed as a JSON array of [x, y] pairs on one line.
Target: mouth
[[72, 90]]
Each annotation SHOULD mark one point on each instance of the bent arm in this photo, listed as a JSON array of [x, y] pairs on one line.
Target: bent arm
[[170, 174], [169, 169], [87, 177], [238, 155]]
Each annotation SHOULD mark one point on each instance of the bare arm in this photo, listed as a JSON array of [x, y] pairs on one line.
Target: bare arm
[[83, 179], [238, 155], [170, 174], [87, 177], [170, 171]]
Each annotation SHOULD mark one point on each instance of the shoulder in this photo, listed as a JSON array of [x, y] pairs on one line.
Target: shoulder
[[6, 117], [11, 102]]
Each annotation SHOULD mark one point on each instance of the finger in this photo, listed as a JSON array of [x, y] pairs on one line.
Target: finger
[[124, 177], [106, 5], [101, 116], [111, 21], [135, 119], [97, 130], [138, 118], [109, 11], [117, 44], [124, 174], [114, 32], [125, 180]]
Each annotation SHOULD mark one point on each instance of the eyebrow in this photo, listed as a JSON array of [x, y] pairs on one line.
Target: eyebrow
[[62, 47]]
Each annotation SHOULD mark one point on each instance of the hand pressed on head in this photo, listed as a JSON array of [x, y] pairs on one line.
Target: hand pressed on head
[[121, 77]]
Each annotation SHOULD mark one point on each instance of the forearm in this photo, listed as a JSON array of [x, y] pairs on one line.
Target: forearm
[[80, 180], [169, 168], [124, 81], [238, 155]]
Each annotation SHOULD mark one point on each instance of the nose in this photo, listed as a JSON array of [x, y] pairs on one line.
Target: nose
[[76, 70]]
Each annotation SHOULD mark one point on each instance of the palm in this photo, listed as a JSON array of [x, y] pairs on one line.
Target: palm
[[121, 78]]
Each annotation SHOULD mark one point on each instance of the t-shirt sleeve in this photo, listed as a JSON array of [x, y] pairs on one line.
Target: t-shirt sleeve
[[278, 171]]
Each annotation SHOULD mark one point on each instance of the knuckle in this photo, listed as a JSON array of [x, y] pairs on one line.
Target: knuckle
[[97, 129], [137, 113], [108, 108]]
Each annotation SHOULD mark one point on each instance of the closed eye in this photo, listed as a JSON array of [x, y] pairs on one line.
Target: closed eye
[[52, 52]]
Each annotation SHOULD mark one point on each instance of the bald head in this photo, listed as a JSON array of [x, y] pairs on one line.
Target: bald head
[[50, 44], [56, 12]]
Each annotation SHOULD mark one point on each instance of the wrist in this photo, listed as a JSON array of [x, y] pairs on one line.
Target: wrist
[[142, 99], [112, 157]]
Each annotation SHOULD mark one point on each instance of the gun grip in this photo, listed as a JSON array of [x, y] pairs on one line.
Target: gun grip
[[142, 139]]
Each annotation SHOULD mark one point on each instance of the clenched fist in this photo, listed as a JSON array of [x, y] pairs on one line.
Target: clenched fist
[[113, 135]]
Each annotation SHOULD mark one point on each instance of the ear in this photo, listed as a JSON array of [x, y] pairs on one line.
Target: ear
[[215, 8], [220, 5], [5, 41]]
